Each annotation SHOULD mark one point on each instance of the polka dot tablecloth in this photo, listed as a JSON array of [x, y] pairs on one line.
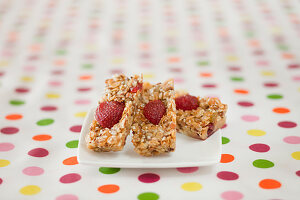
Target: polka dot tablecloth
[[55, 56]]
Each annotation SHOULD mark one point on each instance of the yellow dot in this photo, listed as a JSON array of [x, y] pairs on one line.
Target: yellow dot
[[26, 78], [256, 132], [52, 96], [3, 63], [200, 45], [296, 155], [80, 114], [4, 163], [117, 61], [299, 89], [232, 58], [148, 76], [268, 73], [30, 190], [191, 186]]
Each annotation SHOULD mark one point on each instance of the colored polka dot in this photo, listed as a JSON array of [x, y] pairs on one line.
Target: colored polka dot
[[22, 90], [191, 186], [268, 73], [48, 108], [287, 124], [86, 77], [241, 91], [271, 84], [16, 102], [42, 137], [234, 68], [45, 122], [294, 66], [38, 152], [13, 117], [225, 140], [52, 95], [30, 190], [110, 188], [55, 83], [236, 78], [27, 79], [275, 96], [82, 102], [148, 196], [245, 103], [296, 155], [33, 171], [9, 130], [149, 178], [281, 110], [87, 66], [67, 197], [203, 63], [5, 146], [250, 118], [261, 163], [209, 85], [226, 158], [72, 144], [70, 178], [261, 148], [292, 139], [80, 114], [228, 176], [76, 128], [1, 181], [71, 161], [109, 170], [269, 184], [206, 74], [232, 195], [84, 89], [256, 132], [4, 163], [187, 169]]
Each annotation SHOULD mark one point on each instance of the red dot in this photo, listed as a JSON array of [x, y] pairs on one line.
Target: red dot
[[84, 89], [1, 181], [287, 124], [48, 108], [271, 84], [38, 152], [294, 66], [22, 90], [70, 178], [261, 148], [9, 130], [245, 104], [228, 176], [1, 74], [298, 173], [209, 85], [149, 178], [76, 128]]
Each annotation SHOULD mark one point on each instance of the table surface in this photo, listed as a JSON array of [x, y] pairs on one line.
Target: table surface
[[55, 56]]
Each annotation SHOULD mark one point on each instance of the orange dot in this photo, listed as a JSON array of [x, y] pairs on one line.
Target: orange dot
[[241, 91], [281, 110], [111, 188], [35, 47], [287, 55], [174, 60], [206, 74], [14, 117], [145, 46], [254, 43], [269, 184], [226, 158], [70, 161], [59, 62], [86, 77], [42, 137]]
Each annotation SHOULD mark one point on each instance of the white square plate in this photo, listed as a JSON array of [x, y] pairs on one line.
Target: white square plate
[[189, 152]]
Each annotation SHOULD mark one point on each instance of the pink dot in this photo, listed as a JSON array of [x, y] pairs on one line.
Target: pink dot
[[232, 195], [178, 80], [298, 173], [67, 197], [209, 85], [82, 101], [261, 148], [245, 103], [5, 146], [271, 84], [294, 66], [57, 72], [84, 89], [250, 118], [33, 171], [228, 176], [234, 68], [70, 178], [9, 130], [187, 169], [296, 78], [29, 68], [1, 74], [48, 108], [76, 128], [258, 52], [55, 83], [22, 90], [292, 139], [149, 178], [116, 71], [262, 63], [38, 152], [175, 69], [287, 124]]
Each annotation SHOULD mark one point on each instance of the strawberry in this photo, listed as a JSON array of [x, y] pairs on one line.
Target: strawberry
[[109, 113], [154, 111], [138, 87], [186, 102]]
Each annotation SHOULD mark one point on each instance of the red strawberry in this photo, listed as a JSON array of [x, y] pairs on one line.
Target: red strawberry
[[109, 113], [154, 111], [138, 87], [186, 102]]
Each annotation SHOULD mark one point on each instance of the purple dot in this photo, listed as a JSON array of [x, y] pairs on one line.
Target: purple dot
[[209, 85], [67, 197], [261, 148], [33, 171], [232, 195], [22, 90], [9, 130], [48, 108], [38, 152], [287, 124], [294, 66], [250, 118], [84, 89], [70, 178], [187, 169], [5, 146], [245, 104], [76, 128], [292, 139], [228, 176], [149, 178], [298, 173], [82, 101], [271, 84]]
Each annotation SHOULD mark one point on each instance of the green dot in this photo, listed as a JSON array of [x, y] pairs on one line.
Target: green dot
[[250, 34], [225, 140], [283, 47], [275, 96], [109, 170], [261, 163], [172, 49], [202, 63], [236, 78], [72, 144], [148, 196], [16, 102], [45, 122], [61, 52], [87, 66]]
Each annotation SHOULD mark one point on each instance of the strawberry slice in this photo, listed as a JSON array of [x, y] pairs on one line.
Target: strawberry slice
[[154, 111], [109, 113], [186, 102]]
